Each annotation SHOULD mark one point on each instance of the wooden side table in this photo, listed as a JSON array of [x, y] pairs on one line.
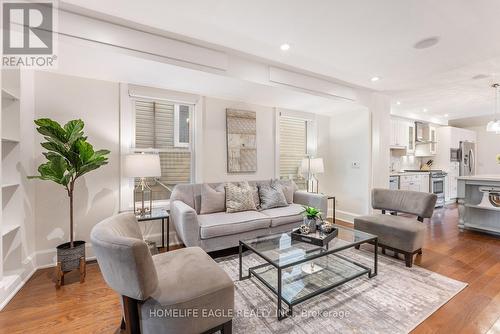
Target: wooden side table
[[159, 214]]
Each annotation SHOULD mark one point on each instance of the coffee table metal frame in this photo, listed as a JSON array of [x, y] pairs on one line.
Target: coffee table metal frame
[[282, 314]]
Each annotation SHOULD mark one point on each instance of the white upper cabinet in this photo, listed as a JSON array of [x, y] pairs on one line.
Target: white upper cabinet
[[410, 149], [433, 140], [399, 134]]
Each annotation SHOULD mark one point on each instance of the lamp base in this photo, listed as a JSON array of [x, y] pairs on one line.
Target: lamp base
[[143, 188]]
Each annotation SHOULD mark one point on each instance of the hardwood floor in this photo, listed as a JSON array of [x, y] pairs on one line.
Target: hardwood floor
[[94, 308]]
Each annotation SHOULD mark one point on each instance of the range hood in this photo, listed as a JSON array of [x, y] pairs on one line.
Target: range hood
[[422, 133]]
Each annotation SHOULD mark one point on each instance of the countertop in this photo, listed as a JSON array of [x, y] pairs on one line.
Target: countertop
[[408, 173], [491, 177]]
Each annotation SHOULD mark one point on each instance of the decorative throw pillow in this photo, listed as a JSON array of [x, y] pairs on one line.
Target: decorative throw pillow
[[289, 188], [271, 196], [212, 199], [239, 197], [255, 195]]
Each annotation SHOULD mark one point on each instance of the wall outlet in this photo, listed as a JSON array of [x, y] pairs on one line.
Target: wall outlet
[[355, 164]]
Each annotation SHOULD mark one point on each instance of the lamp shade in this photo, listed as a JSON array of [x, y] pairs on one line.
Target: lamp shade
[[493, 126], [316, 166], [142, 165]]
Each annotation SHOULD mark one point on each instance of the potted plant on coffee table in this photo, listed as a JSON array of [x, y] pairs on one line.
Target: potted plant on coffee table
[[312, 217], [69, 156]]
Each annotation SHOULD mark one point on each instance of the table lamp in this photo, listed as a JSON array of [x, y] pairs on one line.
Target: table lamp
[[142, 165], [313, 166]]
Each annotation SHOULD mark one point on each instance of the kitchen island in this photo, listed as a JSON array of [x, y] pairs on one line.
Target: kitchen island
[[476, 210]]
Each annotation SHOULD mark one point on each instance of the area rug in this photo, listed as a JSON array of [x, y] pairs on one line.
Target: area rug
[[395, 301]]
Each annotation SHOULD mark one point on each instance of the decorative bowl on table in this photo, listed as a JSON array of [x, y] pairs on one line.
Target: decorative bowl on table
[[495, 199]]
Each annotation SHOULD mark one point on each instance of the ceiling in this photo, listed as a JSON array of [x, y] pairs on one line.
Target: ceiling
[[86, 59], [349, 40]]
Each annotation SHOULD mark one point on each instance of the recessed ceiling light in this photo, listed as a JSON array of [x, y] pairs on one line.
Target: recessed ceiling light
[[426, 43], [285, 47], [424, 110], [446, 115], [398, 103], [373, 79]]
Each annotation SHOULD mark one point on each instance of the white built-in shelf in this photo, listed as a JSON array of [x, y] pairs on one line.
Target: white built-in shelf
[[10, 140], [482, 207], [8, 95], [10, 185], [7, 229]]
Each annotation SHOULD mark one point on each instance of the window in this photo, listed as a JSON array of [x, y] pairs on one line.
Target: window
[[293, 148], [181, 125], [165, 127]]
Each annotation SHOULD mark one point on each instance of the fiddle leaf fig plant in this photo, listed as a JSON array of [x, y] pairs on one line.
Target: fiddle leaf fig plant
[[68, 155]]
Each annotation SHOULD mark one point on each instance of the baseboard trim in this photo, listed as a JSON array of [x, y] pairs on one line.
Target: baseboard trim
[[29, 269], [345, 216]]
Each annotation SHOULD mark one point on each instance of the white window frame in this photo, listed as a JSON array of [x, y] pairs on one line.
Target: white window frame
[[177, 142], [311, 134], [132, 149]]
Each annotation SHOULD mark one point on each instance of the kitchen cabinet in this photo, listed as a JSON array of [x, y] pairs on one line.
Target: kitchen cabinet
[[410, 149], [399, 134], [409, 182], [452, 182], [424, 183], [415, 182], [433, 139]]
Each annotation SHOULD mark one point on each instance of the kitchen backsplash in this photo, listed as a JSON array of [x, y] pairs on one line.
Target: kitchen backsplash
[[400, 163]]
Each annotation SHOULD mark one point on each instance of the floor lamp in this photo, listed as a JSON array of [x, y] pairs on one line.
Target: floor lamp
[[313, 166]]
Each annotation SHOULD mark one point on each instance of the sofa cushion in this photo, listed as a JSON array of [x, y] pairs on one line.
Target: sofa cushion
[[180, 288], [285, 215], [239, 197], [221, 223], [289, 188], [402, 233], [213, 199], [272, 196]]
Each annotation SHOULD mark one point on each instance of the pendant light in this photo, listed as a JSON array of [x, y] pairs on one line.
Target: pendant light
[[494, 125]]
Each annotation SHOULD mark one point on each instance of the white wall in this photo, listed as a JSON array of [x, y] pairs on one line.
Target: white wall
[[63, 98], [350, 142], [488, 146], [214, 159]]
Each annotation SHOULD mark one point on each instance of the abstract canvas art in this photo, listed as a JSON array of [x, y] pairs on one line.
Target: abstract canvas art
[[241, 129]]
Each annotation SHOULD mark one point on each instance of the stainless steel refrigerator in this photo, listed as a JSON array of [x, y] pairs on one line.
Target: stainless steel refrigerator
[[467, 158]]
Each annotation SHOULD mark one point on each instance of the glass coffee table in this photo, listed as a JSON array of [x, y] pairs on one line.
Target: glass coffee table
[[296, 271]]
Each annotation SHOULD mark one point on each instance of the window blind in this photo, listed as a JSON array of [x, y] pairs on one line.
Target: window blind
[[154, 128], [293, 148]]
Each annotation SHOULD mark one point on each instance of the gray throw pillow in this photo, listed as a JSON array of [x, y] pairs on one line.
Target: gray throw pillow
[[212, 199], [289, 188], [239, 197], [255, 195], [271, 196]]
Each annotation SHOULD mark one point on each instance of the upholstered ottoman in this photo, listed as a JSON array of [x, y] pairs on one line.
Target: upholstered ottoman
[[400, 234]]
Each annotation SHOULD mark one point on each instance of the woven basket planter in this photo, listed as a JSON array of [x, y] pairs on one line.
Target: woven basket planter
[[70, 257]]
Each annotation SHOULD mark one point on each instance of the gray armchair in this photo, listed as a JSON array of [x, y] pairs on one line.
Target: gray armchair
[[397, 233], [186, 282]]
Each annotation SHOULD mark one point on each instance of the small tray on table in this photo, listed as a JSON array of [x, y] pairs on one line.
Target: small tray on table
[[317, 238]]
